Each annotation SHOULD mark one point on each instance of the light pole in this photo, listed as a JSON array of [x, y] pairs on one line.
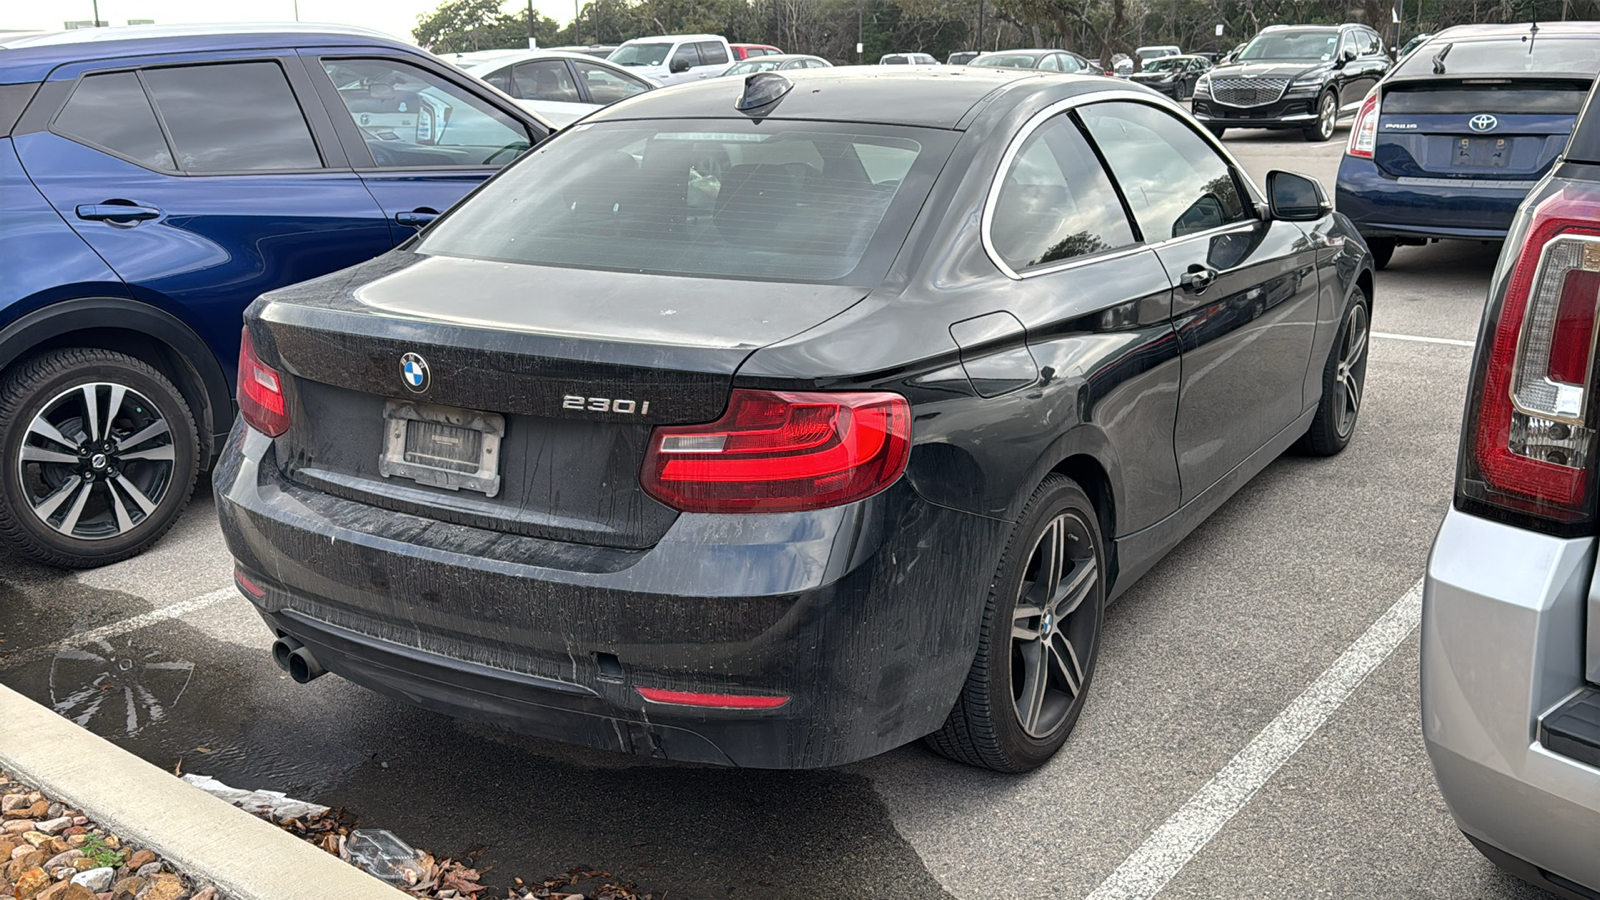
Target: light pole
[[297, 10], [979, 48], [96, 13], [861, 28]]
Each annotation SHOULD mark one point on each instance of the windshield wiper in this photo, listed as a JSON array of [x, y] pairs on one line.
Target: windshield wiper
[[1438, 59]]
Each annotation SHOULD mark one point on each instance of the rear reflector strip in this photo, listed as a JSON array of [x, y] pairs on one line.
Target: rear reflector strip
[[711, 701], [248, 586]]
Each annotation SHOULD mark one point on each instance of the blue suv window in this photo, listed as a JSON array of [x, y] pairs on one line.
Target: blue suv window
[[110, 112], [233, 117]]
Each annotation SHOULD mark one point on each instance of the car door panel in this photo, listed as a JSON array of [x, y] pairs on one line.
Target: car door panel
[[1246, 340], [209, 243]]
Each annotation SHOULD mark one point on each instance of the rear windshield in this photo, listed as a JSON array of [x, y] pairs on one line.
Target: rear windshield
[[641, 54], [1164, 64], [1514, 96], [1005, 61], [1565, 55], [717, 198], [1317, 44]]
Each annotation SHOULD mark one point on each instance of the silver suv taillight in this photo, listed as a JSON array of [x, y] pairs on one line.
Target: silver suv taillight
[[1530, 454]]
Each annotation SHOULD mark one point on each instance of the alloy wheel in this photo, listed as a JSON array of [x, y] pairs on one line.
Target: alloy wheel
[[96, 461], [1348, 376], [1052, 629], [1327, 116]]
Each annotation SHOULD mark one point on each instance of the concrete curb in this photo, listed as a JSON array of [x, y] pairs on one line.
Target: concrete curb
[[201, 835]]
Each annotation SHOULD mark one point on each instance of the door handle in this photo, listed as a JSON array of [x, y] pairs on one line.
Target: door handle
[[1198, 278], [418, 217], [101, 212]]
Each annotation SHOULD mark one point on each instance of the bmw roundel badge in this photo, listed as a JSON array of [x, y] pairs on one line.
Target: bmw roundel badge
[[1482, 122], [414, 372]]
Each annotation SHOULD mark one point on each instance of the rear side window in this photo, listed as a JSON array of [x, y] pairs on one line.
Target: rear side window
[[1056, 201], [606, 86], [1506, 56], [545, 80], [712, 53], [1175, 182], [686, 55], [413, 118], [111, 112], [719, 199], [233, 117]]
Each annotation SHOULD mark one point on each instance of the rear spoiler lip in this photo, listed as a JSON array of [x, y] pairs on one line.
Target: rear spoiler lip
[[1431, 79]]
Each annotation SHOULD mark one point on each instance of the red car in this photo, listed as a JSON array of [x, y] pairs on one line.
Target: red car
[[745, 51]]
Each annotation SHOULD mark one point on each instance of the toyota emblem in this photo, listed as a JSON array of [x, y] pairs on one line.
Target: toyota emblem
[[414, 372], [1483, 122]]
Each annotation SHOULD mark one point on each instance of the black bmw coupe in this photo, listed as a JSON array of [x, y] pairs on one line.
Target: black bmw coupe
[[781, 421]]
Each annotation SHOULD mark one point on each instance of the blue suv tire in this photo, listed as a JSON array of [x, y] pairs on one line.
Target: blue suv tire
[[98, 459]]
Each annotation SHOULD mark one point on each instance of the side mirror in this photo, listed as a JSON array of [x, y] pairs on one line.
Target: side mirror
[[1296, 198], [1347, 55], [678, 66]]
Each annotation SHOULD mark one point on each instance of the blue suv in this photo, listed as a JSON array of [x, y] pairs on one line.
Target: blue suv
[[153, 182]]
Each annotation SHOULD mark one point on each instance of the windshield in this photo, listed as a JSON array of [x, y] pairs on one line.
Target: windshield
[[1008, 60], [1565, 55], [753, 65], [641, 54], [1316, 44], [710, 198], [1165, 64]]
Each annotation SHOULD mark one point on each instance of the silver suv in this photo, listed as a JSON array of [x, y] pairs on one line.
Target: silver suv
[[1511, 610]]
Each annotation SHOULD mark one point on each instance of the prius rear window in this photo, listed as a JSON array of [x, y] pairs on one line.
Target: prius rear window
[[730, 199]]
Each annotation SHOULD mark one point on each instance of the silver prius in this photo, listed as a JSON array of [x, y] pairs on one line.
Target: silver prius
[[1511, 610]]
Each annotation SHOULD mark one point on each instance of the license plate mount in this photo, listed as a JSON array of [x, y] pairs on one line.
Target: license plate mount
[[1481, 152], [442, 446]]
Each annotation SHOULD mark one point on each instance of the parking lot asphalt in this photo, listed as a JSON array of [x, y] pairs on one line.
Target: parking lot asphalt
[[1199, 658]]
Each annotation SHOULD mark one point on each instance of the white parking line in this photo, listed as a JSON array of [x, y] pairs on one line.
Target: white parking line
[[1164, 854], [1449, 342], [123, 626]]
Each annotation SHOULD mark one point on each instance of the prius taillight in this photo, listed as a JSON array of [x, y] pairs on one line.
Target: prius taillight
[[1531, 452], [1364, 133]]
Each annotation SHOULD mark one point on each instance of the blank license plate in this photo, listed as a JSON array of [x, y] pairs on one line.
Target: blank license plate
[[1482, 153], [442, 446]]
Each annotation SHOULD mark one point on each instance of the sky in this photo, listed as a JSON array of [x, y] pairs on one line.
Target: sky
[[396, 17]]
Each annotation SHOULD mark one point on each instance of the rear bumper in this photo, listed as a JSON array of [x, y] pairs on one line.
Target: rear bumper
[[1290, 112], [1502, 645], [854, 613], [1384, 206]]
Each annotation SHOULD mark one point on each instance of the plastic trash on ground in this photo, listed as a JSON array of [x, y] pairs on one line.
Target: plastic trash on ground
[[274, 806], [380, 853]]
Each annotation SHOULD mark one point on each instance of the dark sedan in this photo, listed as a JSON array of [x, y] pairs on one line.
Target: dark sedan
[[1449, 144], [1293, 76], [780, 421], [1043, 60], [1174, 76]]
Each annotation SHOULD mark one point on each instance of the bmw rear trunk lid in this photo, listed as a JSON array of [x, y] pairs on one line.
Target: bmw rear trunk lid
[[510, 397], [1488, 132]]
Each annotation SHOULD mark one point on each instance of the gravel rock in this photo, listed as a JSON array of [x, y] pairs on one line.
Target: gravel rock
[[55, 826], [35, 838], [207, 893], [12, 801], [163, 887], [96, 880], [54, 810], [30, 883], [127, 888], [66, 890], [18, 826], [84, 864], [148, 870], [64, 858], [140, 859]]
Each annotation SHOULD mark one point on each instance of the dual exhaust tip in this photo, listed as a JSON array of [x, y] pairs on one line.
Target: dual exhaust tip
[[293, 657]]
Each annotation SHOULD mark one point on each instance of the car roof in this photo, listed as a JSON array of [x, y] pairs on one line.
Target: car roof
[[1034, 51], [31, 57], [932, 98], [778, 57], [673, 37], [1483, 32], [518, 56]]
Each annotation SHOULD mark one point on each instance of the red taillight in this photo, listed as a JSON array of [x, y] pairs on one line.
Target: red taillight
[[781, 452], [260, 393], [248, 586], [712, 701], [1364, 133], [1534, 443]]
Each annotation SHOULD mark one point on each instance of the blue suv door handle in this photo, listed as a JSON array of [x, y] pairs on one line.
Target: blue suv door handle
[[100, 212], [418, 217]]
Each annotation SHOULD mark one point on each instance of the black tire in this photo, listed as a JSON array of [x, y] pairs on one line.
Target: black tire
[[1382, 251], [56, 458], [1217, 131], [1344, 383], [987, 727], [1327, 119]]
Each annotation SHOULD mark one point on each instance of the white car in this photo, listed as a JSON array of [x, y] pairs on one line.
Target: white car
[[557, 85], [907, 59], [773, 62], [675, 58]]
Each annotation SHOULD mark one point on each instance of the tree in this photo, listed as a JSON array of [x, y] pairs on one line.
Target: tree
[[458, 26]]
